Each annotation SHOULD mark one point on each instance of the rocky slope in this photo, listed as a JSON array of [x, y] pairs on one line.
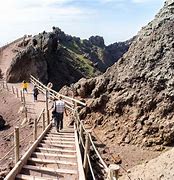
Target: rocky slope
[[63, 59], [158, 168], [134, 98]]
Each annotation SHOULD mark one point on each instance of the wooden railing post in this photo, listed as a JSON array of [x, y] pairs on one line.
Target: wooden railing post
[[81, 134], [113, 172], [77, 119], [35, 130], [17, 93], [12, 88], [3, 86], [21, 95], [6, 86], [25, 109], [16, 144], [24, 104], [47, 111], [43, 121], [87, 151]]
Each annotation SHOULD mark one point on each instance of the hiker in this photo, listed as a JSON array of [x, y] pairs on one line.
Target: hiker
[[58, 111], [35, 93], [24, 86]]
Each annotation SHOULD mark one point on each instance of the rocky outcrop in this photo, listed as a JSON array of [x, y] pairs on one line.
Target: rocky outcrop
[[97, 41], [62, 59], [28, 62], [136, 95]]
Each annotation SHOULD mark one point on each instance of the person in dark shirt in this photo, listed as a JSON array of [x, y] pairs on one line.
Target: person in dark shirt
[[35, 93]]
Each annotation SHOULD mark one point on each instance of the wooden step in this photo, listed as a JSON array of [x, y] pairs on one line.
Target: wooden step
[[29, 177], [45, 169], [61, 135], [59, 138], [57, 142], [54, 155], [48, 161], [56, 150], [58, 145], [53, 130]]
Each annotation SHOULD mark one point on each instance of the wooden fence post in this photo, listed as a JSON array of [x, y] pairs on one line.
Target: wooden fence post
[[113, 172], [43, 121], [47, 111], [17, 93], [21, 95], [16, 144], [81, 134], [24, 101], [35, 130], [77, 119], [87, 151], [24, 104], [3, 86], [6, 86], [26, 116], [12, 88]]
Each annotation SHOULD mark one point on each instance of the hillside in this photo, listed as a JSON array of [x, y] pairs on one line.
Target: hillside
[[62, 59], [132, 101], [158, 168]]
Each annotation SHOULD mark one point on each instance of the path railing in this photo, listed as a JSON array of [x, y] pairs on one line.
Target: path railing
[[15, 150], [84, 136]]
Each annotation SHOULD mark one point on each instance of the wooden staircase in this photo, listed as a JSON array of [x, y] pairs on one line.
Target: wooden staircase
[[58, 155], [55, 157]]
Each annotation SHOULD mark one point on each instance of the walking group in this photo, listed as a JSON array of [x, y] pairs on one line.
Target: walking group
[[58, 107], [25, 89]]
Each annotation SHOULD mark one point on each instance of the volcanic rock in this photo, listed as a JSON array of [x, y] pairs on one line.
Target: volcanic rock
[[139, 87], [62, 59]]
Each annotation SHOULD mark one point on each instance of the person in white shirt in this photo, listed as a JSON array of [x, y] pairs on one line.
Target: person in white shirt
[[58, 112]]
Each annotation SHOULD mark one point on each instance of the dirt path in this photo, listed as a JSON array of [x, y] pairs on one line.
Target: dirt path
[[34, 108]]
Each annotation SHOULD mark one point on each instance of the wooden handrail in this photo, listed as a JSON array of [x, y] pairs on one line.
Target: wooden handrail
[[79, 127], [98, 154], [40, 115], [17, 168], [93, 145], [56, 93]]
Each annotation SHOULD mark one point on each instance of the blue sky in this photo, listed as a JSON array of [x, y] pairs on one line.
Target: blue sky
[[115, 20]]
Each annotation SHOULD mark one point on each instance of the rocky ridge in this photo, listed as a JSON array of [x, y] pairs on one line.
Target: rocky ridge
[[134, 98], [63, 59]]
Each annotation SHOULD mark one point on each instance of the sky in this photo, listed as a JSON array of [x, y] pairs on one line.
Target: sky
[[115, 20]]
